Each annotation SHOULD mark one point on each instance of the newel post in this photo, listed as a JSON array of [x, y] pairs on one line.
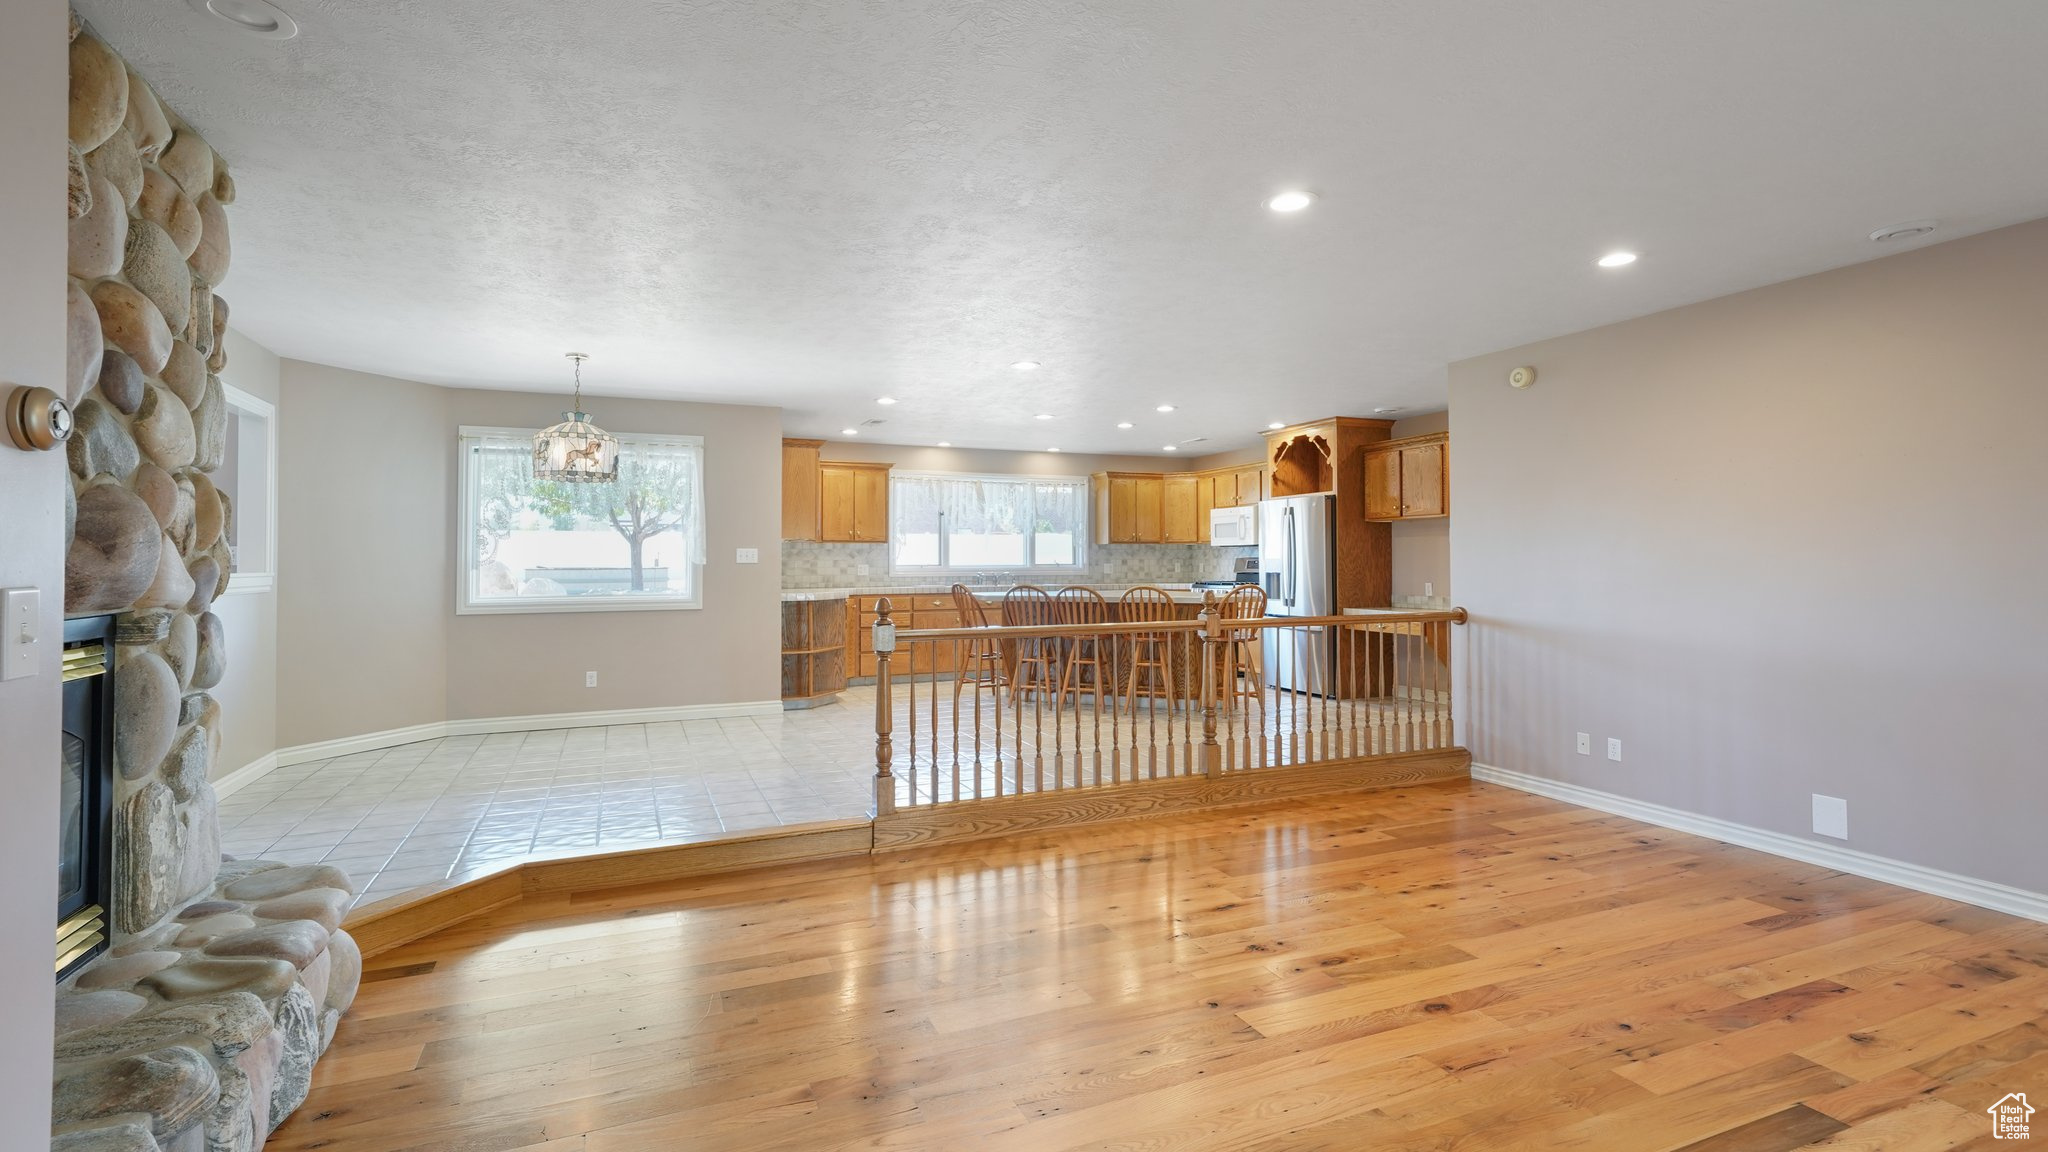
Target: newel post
[[1212, 655], [885, 749]]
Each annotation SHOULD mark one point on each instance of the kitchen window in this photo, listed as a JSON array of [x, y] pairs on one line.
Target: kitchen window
[[946, 522], [543, 546]]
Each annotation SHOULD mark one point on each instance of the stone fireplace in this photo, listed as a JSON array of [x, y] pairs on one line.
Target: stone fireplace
[[191, 1008]]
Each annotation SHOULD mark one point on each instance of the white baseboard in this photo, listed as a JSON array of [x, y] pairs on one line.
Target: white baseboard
[[247, 774], [1967, 889], [486, 726]]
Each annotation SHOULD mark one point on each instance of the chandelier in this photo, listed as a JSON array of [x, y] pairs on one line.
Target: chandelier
[[576, 451]]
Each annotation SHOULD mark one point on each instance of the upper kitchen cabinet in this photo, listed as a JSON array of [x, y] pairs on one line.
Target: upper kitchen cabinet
[[853, 502], [1183, 517], [1408, 479], [800, 489], [1130, 507]]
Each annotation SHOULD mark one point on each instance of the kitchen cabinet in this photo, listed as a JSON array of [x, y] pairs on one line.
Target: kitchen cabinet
[[800, 489], [1129, 507], [925, 610], [853, 501], [813, 652], [1408, 479], [1181, 521], [1248, 486]]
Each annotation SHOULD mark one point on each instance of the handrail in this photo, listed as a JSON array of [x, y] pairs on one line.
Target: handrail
[[1193, 624]]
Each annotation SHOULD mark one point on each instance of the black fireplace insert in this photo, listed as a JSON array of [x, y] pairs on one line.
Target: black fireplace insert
[[86, 797]]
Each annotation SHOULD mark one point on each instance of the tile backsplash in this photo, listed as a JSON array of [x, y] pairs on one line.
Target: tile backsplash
[[811, 564]]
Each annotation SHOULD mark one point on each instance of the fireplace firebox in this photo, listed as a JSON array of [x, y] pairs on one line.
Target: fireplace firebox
[[85, 804]]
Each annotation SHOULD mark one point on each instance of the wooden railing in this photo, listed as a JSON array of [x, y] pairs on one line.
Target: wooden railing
[[968, 715]]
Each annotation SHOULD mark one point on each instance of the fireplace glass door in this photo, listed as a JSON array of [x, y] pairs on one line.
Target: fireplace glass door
[[85, 794]]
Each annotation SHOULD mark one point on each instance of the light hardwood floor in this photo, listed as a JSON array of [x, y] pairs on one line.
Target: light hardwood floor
[[1452, 965]]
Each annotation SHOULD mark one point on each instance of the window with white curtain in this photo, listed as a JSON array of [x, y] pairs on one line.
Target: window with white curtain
[[948, 522], [543, 546]]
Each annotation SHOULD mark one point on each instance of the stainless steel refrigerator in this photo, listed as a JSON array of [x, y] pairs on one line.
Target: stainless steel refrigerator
[[1298, 563]]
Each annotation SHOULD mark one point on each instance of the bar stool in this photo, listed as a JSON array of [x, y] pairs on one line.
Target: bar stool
[[1078, 605], [982, 663], [1029, 606], [1245, 602], [1151, 652]]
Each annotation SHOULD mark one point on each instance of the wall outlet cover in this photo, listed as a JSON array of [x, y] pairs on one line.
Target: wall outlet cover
[[749, 556], [590, 679], [1585, 743], [1830, 816], [21, 623], [1614, 748]]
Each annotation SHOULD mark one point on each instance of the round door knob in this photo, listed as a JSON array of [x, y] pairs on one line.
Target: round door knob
[[37, 419]]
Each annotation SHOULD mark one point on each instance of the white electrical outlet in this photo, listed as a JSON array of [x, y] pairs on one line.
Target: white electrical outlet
[[860, 569], [590, 679], [1613, 748], [21, 624], [1830, 816], [748, 556], [1585, 743], [1429, 590]]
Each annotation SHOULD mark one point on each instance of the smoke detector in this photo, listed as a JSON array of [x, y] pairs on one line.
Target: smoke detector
[[259, 18], [1907, 231]]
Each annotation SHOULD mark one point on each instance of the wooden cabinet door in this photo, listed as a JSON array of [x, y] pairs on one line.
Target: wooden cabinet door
[[871, 504], [800, 489], [1179, 502], [1383, 485], [1123, 509], [1422, 480], [1205, 502], [1149, 510], [1250, 487], [836, 504]]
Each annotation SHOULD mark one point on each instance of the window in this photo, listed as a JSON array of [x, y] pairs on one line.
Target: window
[[247, 476], [541, 546], [940, 522]]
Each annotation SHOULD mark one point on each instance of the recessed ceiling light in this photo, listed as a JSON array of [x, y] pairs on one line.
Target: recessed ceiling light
[[849, 431], [885, 399], [1906, 231], [1275, 424], [1043, 416], [945, 443], [1164, 408], [1617, 259], [1386, 410], [254, 17], [1052, 449], [1169, 448], [1124, 424], [1025, 365], [1291, 201]]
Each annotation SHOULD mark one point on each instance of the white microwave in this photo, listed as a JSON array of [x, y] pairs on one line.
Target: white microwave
[[1234, 527]]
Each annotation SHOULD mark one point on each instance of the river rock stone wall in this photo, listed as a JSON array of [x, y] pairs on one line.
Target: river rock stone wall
[[199, 1028]]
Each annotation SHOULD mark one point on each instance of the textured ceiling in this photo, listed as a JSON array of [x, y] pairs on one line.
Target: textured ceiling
[[812, 203]]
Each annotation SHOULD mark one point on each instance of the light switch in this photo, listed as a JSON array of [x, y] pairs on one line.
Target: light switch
[[21, 625], [749, 556]]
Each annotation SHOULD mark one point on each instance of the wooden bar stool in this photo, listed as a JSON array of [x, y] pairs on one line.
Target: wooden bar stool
[[1151, 652], [982, 663], [1245, 670], [1029, 606], [1077, 605]]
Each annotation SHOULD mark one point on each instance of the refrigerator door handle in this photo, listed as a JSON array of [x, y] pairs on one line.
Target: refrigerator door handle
[[1293, 558]]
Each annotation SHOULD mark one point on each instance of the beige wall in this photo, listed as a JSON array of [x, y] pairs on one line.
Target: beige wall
[[1787, 542], [33, 89], [248, 690], [727, 652], [1422, 548], [367, 631], [365, 581]]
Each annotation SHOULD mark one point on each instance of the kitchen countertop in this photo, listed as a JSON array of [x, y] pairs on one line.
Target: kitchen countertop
[[1181, 593]]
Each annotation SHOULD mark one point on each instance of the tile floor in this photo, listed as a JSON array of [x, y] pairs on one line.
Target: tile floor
[[401, 817]]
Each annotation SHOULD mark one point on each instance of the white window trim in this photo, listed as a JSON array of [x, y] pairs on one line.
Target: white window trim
[[465, 539], [264, 579], [1081, 544]]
